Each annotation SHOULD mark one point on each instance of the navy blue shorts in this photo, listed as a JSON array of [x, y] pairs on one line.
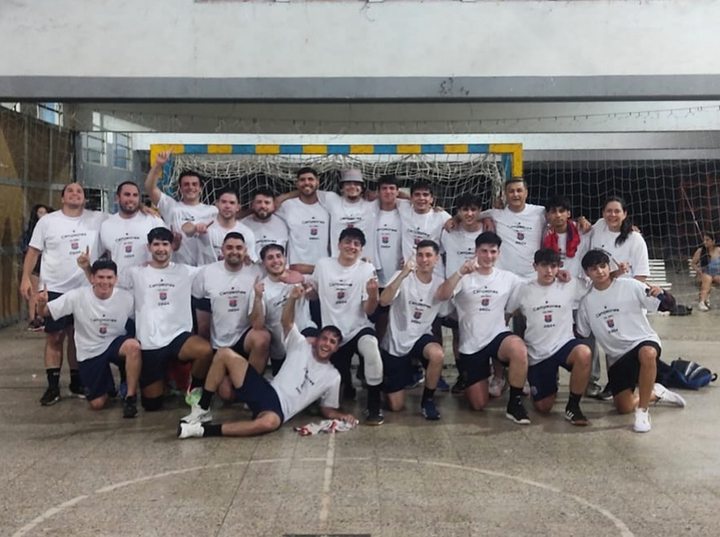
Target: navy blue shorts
[[379, 310], [449, 322], [543, 376], [476, 367], [239, 346], [399, 369], [57, 325], [310, 331], [95, 374], [155, 362], [624, 374], [202, 304], [257, 393], [315, 312]]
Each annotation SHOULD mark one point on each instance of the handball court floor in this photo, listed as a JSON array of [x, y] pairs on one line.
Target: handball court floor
[[68, 471]]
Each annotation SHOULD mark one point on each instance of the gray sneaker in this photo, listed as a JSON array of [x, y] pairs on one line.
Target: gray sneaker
[[667, 397]]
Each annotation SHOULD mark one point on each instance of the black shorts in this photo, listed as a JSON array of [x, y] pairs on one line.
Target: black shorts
[[624, 374], [543, 376], [476, 367], [315, 312], [239, 346], [95, 374], [155, 362], [259, 395], [57, 325], [379, 310], [202, 304], [344, 354], [449, 322], [399, 369]]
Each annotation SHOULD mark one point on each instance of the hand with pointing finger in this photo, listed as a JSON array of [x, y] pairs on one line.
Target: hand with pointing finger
[[259, 287], [201, 228], [83, 259]]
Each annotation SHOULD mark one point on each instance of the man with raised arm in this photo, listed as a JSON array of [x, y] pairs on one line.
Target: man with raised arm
[[411, 295], [264, 223], [306, 376], [548, 306], [61, 237], [348, 291], [236, 316], [124, 234], [177, 213], [481, 293], [163, 318], [101, 313]]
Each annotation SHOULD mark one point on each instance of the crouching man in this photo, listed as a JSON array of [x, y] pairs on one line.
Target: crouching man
[[306, 376]]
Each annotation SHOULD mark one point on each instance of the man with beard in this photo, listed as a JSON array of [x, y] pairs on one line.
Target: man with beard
[[61, 237], [163, 317], [275, 291], [101, 313], [124, 234], [264, 223], [236, 316], [177, 213]]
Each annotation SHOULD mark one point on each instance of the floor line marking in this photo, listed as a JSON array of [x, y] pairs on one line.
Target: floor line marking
[[329, 466]]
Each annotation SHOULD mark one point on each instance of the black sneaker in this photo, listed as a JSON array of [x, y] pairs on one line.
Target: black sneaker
[[575, 416], [459, 387], [518, 414], [77, 390], [50, 397], [606, 394], [374, 417], [130, 407]]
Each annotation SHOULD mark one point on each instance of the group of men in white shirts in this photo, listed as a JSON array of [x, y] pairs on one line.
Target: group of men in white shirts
[[259, 288]]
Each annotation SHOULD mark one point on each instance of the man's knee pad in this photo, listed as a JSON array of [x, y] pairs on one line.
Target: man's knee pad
[[368, 348], [152, 403]]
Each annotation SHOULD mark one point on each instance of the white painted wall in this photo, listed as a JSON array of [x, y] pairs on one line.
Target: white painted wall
[[150, 38]]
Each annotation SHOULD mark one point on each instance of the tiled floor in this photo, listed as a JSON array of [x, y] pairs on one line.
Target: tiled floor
[[66, 470]]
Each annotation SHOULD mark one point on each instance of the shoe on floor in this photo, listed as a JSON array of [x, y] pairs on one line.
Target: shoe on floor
[[496, 386], [518, 414], [418, 379], [606, 393], [642, 421], [374, 418], [702, 306], [190, 430], [459, 387], [443, 386], [667, 397], [593, 391], [130, 407], [430, 411], [77, 390], [50, 397], [575, 416], [197, 415]]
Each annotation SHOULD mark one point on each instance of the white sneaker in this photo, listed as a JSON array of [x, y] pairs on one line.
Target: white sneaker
[[667, 397], [496, 386], [702, 306], [190, 430], [642, 421], [197, 415]]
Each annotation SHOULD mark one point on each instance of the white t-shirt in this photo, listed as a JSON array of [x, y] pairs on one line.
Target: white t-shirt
[[97, 321], [275, 296], [343, 214], [418, 227], [126, 238], [61, 239], [521, 234], [573, 264], [481, 303], [303, 380], [459, 246], [230, 295], [212, 240], [616, 317], [342, 291], [176, 213], [274, 230], [162, 302], [549, 313], [633, 251], [309, 227], [412, 313], [389, 247]]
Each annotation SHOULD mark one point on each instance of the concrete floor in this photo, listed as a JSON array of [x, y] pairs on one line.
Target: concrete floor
[[65, 470]]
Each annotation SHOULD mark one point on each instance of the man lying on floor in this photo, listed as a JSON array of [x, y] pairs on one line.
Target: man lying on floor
[[306, 376]]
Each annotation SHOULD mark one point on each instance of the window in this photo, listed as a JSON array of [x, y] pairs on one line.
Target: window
[[93, 144], [50, 113], [122, 151]]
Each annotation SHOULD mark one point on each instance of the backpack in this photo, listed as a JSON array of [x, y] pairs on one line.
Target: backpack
[[684, 374]]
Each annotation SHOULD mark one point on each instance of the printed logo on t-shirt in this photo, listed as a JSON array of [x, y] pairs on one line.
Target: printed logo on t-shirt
[[340, 295], [385, 239], [313, 231], [485, 301], [548, 317], [232, 302], [103, 330], [520, 235], [162, 295], [350, 226], [74, 245], [610, 322], [128, 248]]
